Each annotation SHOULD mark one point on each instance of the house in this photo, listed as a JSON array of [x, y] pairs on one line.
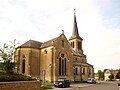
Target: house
[[107, 73], [96, 76], [115, 72]]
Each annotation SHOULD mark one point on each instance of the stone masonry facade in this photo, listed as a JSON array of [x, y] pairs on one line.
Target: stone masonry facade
[[56, 58]]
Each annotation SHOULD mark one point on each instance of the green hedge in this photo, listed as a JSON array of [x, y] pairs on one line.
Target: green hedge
[[14, 77]]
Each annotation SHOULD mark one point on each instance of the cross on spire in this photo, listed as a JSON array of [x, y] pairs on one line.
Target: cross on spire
[[74, 11]]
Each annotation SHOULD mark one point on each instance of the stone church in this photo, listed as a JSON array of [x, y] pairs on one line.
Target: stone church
[[56, 58]]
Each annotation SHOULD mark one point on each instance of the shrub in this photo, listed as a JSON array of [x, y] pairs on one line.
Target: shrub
[[47, 85], [4, 78], [14, 77]]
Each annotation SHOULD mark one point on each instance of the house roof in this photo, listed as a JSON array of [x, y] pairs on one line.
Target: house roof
[[81, 64], [48, 43], [75, 53], [109, 71], [31, 44]]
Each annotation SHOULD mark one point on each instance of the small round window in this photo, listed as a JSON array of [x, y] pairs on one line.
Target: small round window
[[45, 51], [62, 55]]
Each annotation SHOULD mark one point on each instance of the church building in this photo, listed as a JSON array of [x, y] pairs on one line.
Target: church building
[[56, 58]]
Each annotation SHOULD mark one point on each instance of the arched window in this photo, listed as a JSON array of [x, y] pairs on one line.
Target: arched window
[[62, 65], [89, 71], [23, 66], [79, 45], [23, 56], [83, 71], [62, 55], [45, 51], [62, 43], [72, 44], [75, 59], [76, 71]]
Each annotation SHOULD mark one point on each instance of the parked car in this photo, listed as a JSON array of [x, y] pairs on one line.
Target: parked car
[[62, 82], [91, 80]]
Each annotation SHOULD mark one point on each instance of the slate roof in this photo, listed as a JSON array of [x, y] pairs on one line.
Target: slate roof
[[48, 43], [31, 44], [75, 53], [81, 64], [75, 33]]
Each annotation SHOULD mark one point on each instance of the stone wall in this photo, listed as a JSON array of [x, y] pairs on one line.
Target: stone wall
[[20, 85]]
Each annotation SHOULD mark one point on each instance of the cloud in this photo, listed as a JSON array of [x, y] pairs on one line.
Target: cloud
[[110, 12], [43, 20], [103, 50]]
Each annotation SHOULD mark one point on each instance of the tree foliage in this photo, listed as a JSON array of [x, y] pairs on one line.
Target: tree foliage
[[105, 70], [111, 76], [7, 54], [118, 75], [100, 75]]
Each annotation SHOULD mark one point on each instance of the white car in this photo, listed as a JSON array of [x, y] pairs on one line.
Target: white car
[[91, 81]]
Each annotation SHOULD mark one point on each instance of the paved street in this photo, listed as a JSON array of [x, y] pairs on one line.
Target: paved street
[[101, 86], [73, 86], [98, 86]]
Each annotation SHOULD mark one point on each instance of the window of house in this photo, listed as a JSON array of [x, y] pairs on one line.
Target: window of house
[[83, 71], [62, 43], [72, 44], [82, 60], [75, 59], [23, 66], [79, 45], [23, 56], [89, 71], [45, 51], [76, 71], [62, 55], [65, 67], [62, 65]]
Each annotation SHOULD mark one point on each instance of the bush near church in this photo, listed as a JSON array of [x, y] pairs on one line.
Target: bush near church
[[7, 65], [4, 77]]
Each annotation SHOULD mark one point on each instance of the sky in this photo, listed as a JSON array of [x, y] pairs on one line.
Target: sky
[[41, 20]]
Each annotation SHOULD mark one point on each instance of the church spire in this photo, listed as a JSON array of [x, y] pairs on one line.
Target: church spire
[[75, 33]]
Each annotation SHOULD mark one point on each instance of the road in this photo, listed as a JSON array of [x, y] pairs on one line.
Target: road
[[101, 86], [98, 86]]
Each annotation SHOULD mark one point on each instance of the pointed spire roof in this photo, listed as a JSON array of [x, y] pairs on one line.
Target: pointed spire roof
[[75, 33]]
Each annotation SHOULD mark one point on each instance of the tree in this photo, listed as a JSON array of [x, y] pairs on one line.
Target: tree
[[118, 75], [6, 54], [105, 70], [100, 75], [111, 76]]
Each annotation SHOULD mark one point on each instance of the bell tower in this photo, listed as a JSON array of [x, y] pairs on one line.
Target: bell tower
[[75, 40]]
